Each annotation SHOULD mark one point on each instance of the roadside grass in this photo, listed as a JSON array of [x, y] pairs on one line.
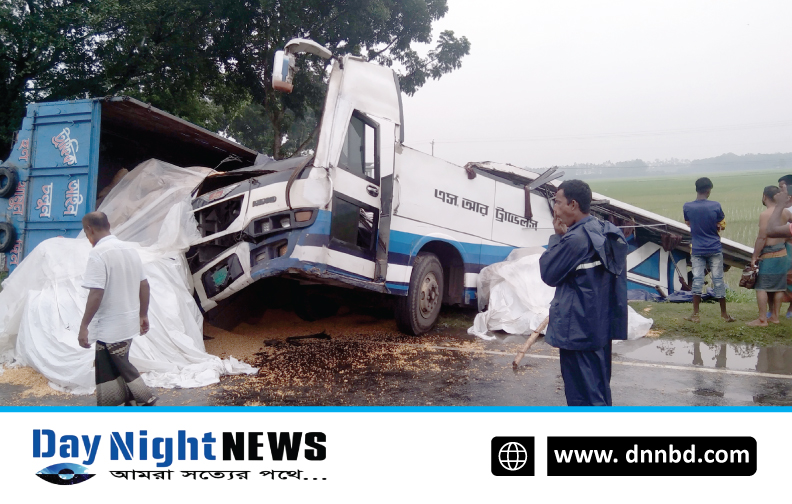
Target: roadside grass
[[669, 323], [455, 317]]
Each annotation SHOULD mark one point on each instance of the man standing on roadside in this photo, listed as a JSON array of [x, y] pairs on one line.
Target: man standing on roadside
[[116, 311], [783, 182], [771, 253], [586, 261], [706, 220], [778, 227]]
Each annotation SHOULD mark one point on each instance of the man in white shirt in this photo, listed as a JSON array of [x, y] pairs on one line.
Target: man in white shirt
[[116, 312]]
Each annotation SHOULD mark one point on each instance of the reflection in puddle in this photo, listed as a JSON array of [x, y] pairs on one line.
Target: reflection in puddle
[[708, 392], [772, 400], [743, 357]]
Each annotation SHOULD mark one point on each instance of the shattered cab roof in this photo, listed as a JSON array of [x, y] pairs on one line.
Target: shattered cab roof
[[734, 253]]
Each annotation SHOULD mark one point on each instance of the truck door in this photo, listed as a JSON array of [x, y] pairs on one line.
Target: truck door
[[356, 199], [62, 174]]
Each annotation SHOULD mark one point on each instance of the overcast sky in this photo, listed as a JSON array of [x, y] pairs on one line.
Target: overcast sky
[[558, 82]]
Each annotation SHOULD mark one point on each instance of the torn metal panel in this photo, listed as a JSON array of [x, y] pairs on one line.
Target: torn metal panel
[[734, 254], [131, 116], [658, 226]]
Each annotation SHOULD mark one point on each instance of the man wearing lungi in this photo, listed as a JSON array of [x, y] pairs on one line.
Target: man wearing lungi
[[774, 262], [783, 182], [586, 261], [116, 312]]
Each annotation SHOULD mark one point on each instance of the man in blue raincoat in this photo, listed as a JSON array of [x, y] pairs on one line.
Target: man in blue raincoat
[[586, 261]]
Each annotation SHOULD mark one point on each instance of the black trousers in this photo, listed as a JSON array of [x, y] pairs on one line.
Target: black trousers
[[587, 375]]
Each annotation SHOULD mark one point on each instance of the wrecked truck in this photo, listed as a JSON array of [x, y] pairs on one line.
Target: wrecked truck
[[68, 154], [368, 212]]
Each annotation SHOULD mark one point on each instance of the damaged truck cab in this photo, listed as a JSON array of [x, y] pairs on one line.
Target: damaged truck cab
[[368, 212], [67, 156], [324, 218]]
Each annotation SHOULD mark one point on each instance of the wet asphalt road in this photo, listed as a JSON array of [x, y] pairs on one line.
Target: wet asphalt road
[[450, 368]]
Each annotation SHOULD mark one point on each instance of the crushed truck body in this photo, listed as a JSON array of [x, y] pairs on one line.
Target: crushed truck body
[[368, 212], [69, 154]]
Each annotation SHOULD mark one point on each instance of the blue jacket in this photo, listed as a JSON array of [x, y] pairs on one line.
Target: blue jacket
[[590, 304]]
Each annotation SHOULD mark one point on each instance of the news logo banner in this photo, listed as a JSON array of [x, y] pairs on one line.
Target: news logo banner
[[214, 449], [651, 456]]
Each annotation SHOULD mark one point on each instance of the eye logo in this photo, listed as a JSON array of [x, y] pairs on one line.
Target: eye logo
[[64, 474]]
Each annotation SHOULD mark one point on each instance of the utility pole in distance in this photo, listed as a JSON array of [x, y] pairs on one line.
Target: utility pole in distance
[[433, 147]]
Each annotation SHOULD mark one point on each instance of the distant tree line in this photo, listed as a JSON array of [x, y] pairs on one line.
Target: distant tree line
[[720, 164], [209, 61]]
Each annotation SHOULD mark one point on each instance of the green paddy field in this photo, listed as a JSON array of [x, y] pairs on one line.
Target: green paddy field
[[740, 195]]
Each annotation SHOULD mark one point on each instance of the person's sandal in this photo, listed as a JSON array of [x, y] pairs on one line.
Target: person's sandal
[[730, 319], [693, 318], [150, 402]]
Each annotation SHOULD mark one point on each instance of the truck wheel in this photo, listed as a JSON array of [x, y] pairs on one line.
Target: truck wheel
[[417, 312], [8, 181], [7, 236]]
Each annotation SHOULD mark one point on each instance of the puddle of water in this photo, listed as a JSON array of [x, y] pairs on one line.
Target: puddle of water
[[775, 359], [772, 400]]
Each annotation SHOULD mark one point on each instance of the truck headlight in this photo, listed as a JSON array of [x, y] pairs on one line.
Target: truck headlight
[[221, 275]]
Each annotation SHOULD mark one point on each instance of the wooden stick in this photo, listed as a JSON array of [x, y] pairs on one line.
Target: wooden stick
[[531, 340]]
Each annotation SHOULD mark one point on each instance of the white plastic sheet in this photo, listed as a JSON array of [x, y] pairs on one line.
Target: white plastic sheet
[[42, 302], [517, 299]]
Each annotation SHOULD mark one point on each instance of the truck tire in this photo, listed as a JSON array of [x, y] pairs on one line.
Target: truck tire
[[7, 237], [417, 312], [8, 181]]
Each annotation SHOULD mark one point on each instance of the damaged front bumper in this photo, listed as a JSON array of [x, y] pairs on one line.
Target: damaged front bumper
[[223, 266], [298, 252]]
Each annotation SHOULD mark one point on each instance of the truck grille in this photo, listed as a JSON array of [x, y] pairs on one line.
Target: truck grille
[[217, 218]]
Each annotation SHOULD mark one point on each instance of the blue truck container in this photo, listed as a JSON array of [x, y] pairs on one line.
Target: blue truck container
[[66, 152]]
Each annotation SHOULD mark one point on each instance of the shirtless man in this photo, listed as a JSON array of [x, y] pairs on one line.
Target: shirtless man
[[777, 227], [772, 252], [783, 182]]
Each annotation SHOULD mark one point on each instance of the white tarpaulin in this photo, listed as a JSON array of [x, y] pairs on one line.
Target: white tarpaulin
[[518, 300], [42, 302]]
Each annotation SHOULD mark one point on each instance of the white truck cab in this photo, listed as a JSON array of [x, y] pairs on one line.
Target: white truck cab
[[368, 212]]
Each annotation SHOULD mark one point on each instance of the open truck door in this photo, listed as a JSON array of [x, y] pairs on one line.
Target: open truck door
[[359, 130], [356, 203]]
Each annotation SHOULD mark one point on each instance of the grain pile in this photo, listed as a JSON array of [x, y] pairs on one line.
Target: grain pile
[[353, 358], [34, 383], [357, 359]]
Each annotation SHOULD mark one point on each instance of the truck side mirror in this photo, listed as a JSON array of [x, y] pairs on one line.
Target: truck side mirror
[[283, 72], [284, 67]]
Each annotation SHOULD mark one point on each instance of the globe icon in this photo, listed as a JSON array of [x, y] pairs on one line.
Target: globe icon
[[512, 456]]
